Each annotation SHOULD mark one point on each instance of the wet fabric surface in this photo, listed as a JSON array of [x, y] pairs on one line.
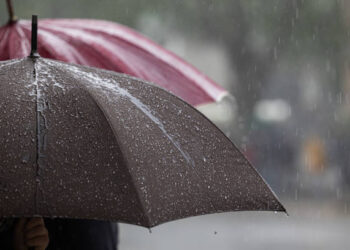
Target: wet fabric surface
[[85, 143]]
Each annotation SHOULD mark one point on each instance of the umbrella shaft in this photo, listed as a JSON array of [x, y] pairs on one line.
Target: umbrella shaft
[[34, 51]]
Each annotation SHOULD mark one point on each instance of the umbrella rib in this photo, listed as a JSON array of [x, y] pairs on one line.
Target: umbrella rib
[[4, 34], [114, 86], [72, 47], [23, 40], [160, 125], [142, 205], [187, 157], [41, 127]]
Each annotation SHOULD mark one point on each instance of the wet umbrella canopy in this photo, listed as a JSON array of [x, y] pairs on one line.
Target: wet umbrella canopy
[[80, 142]]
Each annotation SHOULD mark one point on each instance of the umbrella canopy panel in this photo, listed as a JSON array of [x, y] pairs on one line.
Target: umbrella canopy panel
[[17, 138], [95, 144], [114, 47]]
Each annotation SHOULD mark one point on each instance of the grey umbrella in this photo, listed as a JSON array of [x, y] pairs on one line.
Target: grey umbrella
[[81, 142]]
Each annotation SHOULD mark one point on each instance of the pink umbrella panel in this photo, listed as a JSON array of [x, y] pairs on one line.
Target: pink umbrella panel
[[111, 46]]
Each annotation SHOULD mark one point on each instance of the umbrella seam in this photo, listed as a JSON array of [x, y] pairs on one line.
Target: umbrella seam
[[81, 60], [41, 138], [36, 133], [122, 155], [250, 165], [22, 35], [45, 32]]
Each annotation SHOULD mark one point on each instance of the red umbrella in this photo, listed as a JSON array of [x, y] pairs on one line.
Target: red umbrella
[[114, 47]]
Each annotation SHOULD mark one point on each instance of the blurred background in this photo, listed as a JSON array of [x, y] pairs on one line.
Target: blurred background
[[286, 65]]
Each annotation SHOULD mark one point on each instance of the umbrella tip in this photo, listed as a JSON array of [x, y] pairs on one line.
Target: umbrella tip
[[34, 51]]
